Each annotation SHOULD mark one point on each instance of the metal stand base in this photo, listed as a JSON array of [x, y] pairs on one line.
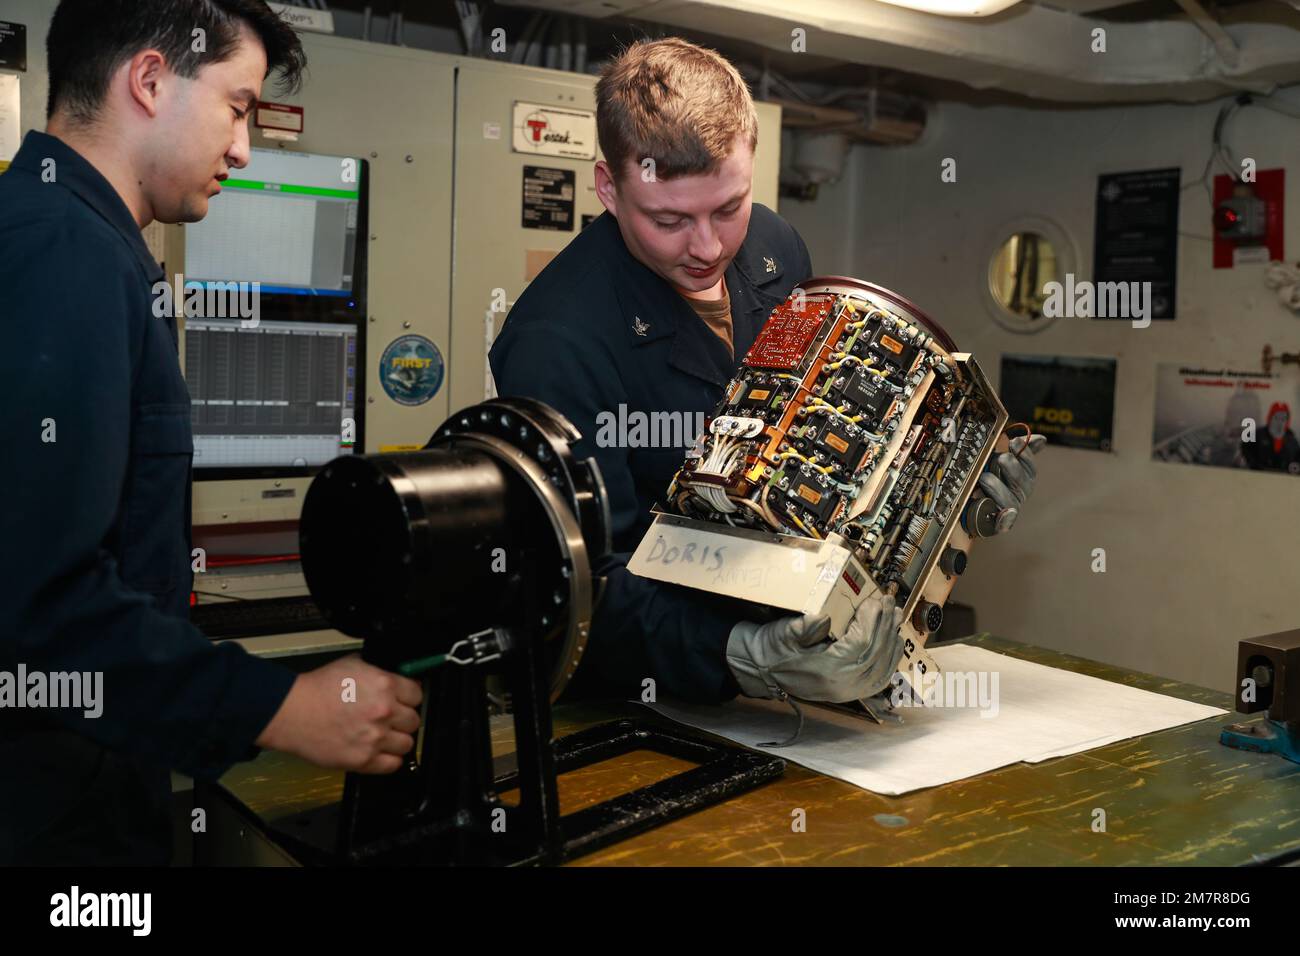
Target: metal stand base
[[722, 772]]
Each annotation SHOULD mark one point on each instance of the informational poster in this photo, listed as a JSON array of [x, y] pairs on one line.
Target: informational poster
[[548, 198], [10, 118], [1226, 418], [1069, 399], [1136, 239], [13, 46]]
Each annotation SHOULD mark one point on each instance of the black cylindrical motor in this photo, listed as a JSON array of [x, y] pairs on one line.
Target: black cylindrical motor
[[396, 542], [495, 524]]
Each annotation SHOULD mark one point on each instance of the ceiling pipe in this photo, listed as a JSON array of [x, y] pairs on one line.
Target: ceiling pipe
[[1229, 53], [1033, 50]]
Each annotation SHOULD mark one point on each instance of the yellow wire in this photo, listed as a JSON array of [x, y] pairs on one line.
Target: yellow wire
[[824, 469], [868, 365], [812, 533], [843, 357], [839, 412]]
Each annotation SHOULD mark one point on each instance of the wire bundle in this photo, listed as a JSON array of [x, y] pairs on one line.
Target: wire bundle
[[721, 460], [1285, 280]]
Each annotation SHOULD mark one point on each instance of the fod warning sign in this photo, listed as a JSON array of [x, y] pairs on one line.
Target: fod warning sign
[[1070, 399]]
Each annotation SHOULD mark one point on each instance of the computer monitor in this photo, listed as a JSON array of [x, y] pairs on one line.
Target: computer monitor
[[280, 395]]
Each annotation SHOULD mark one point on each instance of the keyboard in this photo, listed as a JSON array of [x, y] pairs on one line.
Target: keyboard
[[251, 618]]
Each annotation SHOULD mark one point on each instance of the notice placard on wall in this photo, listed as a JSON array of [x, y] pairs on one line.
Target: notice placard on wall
[[548, 198], [1069, 399], [13, 46], [1136, 239]]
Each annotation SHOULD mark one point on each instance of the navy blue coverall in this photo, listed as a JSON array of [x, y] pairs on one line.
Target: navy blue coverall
[[597, 330], [95, 533]]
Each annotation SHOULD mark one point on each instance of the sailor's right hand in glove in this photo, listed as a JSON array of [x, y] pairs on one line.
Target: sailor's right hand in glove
[[794, 656]]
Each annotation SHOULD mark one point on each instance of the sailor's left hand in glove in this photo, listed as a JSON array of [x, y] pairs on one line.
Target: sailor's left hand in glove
[[793, 655], [1009, 477]]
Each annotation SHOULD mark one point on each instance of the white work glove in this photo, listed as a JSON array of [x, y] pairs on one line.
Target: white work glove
[[792, 655], [1009, 480]]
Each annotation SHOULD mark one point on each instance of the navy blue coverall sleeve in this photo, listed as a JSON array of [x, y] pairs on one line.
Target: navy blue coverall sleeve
[[76, 343]]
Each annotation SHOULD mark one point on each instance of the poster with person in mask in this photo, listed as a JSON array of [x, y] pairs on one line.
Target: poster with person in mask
[[1225, 418]]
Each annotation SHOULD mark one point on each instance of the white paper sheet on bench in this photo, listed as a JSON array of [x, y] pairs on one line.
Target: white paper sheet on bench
[[1042, 712]]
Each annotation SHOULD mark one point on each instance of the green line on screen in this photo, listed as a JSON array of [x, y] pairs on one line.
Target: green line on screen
[[285, 188]]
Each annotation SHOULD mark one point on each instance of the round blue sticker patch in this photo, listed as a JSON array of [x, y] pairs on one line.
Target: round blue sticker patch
[[411, 370]]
